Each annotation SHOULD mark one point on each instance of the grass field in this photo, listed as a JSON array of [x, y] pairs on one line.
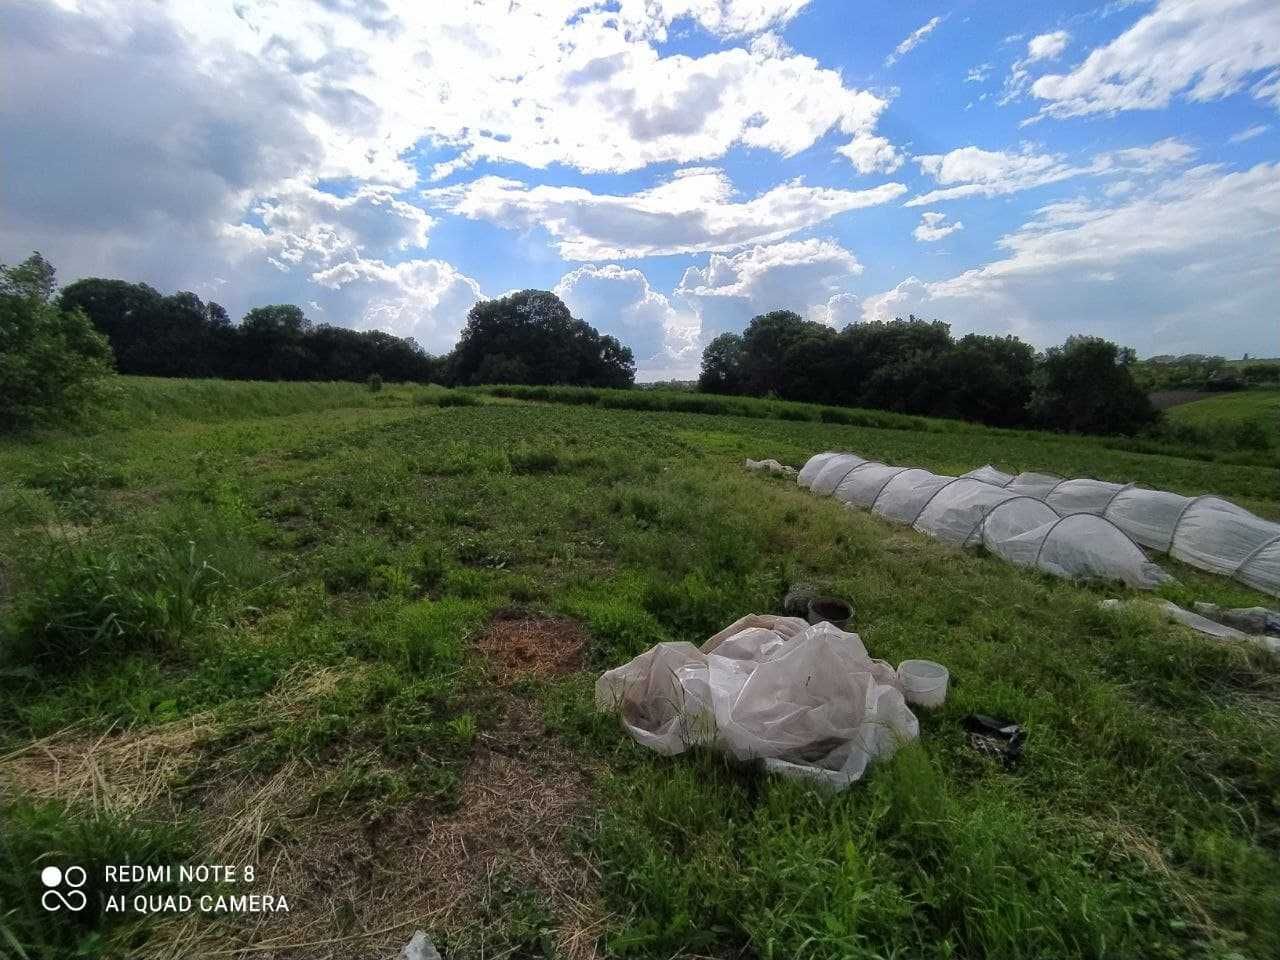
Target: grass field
[[1256, 410], [349, 639]]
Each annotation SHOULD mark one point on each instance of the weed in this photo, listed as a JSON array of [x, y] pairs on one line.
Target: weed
[[99, 601]]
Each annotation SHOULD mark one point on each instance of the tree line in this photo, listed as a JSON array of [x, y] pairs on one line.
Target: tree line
[[57, 344], [916, 366]]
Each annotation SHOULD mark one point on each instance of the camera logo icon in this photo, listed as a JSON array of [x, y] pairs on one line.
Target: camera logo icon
[[55, 879]]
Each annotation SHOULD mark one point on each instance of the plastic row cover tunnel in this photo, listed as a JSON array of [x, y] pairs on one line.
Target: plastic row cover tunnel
[[967, 511], [1206, 532]]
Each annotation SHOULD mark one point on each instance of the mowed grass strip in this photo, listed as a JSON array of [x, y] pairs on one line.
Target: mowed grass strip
[[311, 600]]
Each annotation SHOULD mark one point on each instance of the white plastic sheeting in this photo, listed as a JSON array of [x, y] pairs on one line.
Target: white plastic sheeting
[[808, 700], [1004, 512], [1206, 532], [1013, 517]]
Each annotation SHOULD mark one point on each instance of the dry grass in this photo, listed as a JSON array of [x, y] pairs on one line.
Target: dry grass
[[119, 771], [358, 889]]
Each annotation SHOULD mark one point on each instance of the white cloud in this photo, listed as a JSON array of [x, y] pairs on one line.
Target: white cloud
[[692, 212], [974, 172], [1249, 133], [620, 301], [840, 310], [221, 167], [870, 154], [807, 276], [578, 82], [304, 225], [726, 18], [1045, 46], [1191, 259], [1201, 49], [979, 73], [933, 227], [424, 299], [912, 41]]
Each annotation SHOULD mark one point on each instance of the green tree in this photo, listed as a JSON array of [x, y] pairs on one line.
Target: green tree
[[1087, 386], [52, 361], [272, 343], [531, 337], [765, 343], [722, 365]]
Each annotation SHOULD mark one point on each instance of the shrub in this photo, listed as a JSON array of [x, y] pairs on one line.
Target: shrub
[[54, 363], [374, 382]]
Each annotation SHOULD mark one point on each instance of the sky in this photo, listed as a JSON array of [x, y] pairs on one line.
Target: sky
[[669, 168]]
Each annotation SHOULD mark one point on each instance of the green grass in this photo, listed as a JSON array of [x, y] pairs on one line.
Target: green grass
[[360, 541], [1253, 414], [1230, 446]]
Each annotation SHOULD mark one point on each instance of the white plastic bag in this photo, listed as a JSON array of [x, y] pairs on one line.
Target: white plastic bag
[[808, 700]]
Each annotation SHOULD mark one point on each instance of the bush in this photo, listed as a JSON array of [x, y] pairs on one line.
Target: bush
[[374, 382], [54, 363]]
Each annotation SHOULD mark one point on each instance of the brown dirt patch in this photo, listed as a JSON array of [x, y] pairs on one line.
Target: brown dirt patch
[[1164, 399], [524, 646]]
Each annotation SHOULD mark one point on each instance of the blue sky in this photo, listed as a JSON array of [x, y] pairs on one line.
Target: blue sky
[[669, 167]]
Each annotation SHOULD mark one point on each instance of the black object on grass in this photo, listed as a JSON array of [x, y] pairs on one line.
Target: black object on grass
[[1001, 740], [832, 610]]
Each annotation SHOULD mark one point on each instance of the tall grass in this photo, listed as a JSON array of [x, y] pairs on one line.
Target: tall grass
[[102, 600]]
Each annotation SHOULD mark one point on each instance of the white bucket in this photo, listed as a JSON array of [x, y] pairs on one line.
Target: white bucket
[[924, 683]]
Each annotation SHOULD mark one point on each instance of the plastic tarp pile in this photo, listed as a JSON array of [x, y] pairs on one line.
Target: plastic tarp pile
[[808, 700], [1011, 522]]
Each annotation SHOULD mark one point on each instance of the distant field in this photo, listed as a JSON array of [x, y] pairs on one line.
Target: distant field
[[1228, 410], [350, 638]]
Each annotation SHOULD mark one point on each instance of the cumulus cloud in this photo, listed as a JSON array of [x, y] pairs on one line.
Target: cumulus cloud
[[808, 276], [1045, 46], [692, 212], [424, 299], [573, 82], [1201, 49], [912, 41], [304, 225], [1249, 133], [933, 227], [974, 172], [1156, 271], [620, 301], [870, 154], [274, 144]]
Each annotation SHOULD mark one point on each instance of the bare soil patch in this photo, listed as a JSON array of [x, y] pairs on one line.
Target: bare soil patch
[[521, 646], [1164, 399]]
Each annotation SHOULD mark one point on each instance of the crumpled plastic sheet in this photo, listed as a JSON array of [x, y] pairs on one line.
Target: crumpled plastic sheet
[[808, 701], [1010, 516]]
